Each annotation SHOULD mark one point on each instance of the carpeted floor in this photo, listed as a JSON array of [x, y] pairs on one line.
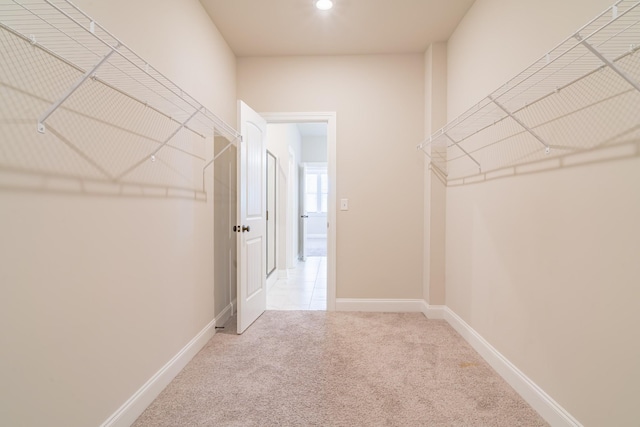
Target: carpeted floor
[[315, 368]]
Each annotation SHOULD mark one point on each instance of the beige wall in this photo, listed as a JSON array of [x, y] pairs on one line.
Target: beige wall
[[545, 266], [379, 104], [100, 291]]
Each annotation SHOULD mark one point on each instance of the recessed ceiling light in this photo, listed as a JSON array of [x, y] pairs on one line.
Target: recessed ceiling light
[[323, 4]]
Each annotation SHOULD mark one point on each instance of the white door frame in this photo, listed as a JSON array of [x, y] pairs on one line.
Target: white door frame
[[330, 119]]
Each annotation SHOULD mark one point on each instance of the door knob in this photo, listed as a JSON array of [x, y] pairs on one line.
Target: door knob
[[246, 228]]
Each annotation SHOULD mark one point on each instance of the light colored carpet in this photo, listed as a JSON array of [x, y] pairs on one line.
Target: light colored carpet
[[314, 368]]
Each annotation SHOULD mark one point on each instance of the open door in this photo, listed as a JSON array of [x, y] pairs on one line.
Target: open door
[[251, 225], [303, 214], [271, 212]]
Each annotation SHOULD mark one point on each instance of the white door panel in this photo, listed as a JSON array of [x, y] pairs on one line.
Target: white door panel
[[252, 291], [303, 213]]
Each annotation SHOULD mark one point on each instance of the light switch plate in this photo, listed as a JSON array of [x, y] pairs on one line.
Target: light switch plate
[[344, 204]]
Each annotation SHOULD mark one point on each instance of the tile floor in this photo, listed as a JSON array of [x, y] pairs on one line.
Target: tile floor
[[305, 289]]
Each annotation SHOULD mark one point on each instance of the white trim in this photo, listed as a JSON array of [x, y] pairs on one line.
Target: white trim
[[272, 279], [226, 314], [141, 399], [548, 408], [283, 273], [330, 119], [433, 311], [380, 305]]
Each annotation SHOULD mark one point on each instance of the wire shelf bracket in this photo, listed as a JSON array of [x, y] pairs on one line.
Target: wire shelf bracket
[[607, 62], [175, 132], [463, 150], [547, 149], [72, 89]]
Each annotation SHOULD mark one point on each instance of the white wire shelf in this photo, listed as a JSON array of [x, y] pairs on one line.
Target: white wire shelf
[[83, 87], [581, 95]]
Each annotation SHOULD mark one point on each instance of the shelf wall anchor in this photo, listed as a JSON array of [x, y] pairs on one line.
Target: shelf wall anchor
[[72, 89]]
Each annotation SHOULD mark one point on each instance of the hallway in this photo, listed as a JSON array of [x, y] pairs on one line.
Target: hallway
[[305, 289]]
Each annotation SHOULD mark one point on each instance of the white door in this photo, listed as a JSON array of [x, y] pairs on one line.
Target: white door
[[303, 214], [251, 226]]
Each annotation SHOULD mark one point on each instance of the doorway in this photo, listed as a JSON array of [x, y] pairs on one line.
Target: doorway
[[271, 216], [314, 189], [303, 146]]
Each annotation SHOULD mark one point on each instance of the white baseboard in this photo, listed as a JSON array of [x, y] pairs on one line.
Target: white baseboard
[[380, 305], [141, 399], [226, 314], [283, 274], [433, 311], [272, 279], [548, 408]]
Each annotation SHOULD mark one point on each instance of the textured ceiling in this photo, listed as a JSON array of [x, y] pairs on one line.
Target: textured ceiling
[[295, 27]]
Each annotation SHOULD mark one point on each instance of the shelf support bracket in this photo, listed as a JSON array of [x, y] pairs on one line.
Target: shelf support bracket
[[218, 155], [152, 156], [182, 126], [547, 149], [609, 63], [464, 151], [72, 89]]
